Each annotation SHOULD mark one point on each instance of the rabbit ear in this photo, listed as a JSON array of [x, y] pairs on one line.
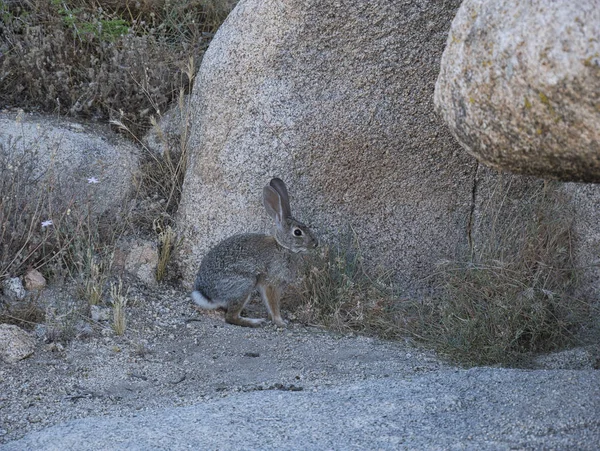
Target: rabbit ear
[[273, 204], [280, 187]]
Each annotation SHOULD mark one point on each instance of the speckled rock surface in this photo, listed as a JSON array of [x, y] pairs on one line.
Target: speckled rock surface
[[183, 379], [585, 198], [15, 343], [13, 289], [86, 163], [142, 260], [519, 86], [337, 100], [477, 409]]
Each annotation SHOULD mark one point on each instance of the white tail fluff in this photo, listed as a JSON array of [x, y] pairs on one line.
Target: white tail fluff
[[202, 302]]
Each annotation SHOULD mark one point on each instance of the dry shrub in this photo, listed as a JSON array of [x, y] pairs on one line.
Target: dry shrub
[[161, 175], [45, 225], [337, 292], [125, 60], [101, 59], [512, 297], [515, 295]]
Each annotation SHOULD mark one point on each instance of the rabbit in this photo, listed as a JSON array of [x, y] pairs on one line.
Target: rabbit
[[241, 264]]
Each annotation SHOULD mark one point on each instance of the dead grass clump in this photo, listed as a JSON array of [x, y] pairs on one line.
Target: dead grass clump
[[102, 59], [515, 295], [337, 292], [25, 314], [49, 226], [119, 301], [161, 175]]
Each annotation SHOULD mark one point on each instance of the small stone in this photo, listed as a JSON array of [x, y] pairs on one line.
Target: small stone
[[40, 331], [99, 313], [15, 343], [142, 261], [34, 280], [13, 289]]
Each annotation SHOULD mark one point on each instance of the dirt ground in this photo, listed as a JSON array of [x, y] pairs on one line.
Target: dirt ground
[[173, 355]]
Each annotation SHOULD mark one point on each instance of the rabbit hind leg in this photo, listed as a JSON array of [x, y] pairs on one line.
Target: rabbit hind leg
[[234, 308]]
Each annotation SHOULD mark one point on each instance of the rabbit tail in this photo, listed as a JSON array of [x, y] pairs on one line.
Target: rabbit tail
[[203, 302]]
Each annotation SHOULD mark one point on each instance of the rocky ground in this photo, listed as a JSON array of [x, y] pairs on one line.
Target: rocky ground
[[174, 357]]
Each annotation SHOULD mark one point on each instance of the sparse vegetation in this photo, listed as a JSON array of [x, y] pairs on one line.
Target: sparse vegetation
[[162, 174], [119, 302], [166, 245], [123, 62], [337, 292], [102, 58], [514, 296], [94, 275], [45, 225]]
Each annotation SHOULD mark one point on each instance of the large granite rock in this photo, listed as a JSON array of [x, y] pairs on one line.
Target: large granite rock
[[337, 100], [79, 165], [519, 86]]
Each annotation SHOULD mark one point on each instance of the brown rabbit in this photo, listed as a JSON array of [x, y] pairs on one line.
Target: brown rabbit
[[237, 266]]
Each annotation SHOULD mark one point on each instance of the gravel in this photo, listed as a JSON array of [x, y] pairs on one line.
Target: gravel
[[180, 379]]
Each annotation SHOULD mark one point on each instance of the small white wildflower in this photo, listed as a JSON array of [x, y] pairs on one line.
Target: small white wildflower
[[47, 223], [92, 180]]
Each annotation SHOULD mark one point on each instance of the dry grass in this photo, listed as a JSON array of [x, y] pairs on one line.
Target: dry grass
[[511, 298], [102, 59], [515, 295], [162, 174], [336, 292], [167, 244], [44, 225], [119, 303]]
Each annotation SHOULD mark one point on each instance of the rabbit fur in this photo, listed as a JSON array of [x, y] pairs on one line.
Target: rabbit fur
[[241, 264]]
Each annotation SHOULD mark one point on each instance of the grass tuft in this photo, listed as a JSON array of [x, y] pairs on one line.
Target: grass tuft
[[336, 292], [513, 296], [167, 243], [119, 302]]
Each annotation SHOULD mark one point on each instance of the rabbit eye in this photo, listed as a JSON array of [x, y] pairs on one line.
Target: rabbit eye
[[297, 232]]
